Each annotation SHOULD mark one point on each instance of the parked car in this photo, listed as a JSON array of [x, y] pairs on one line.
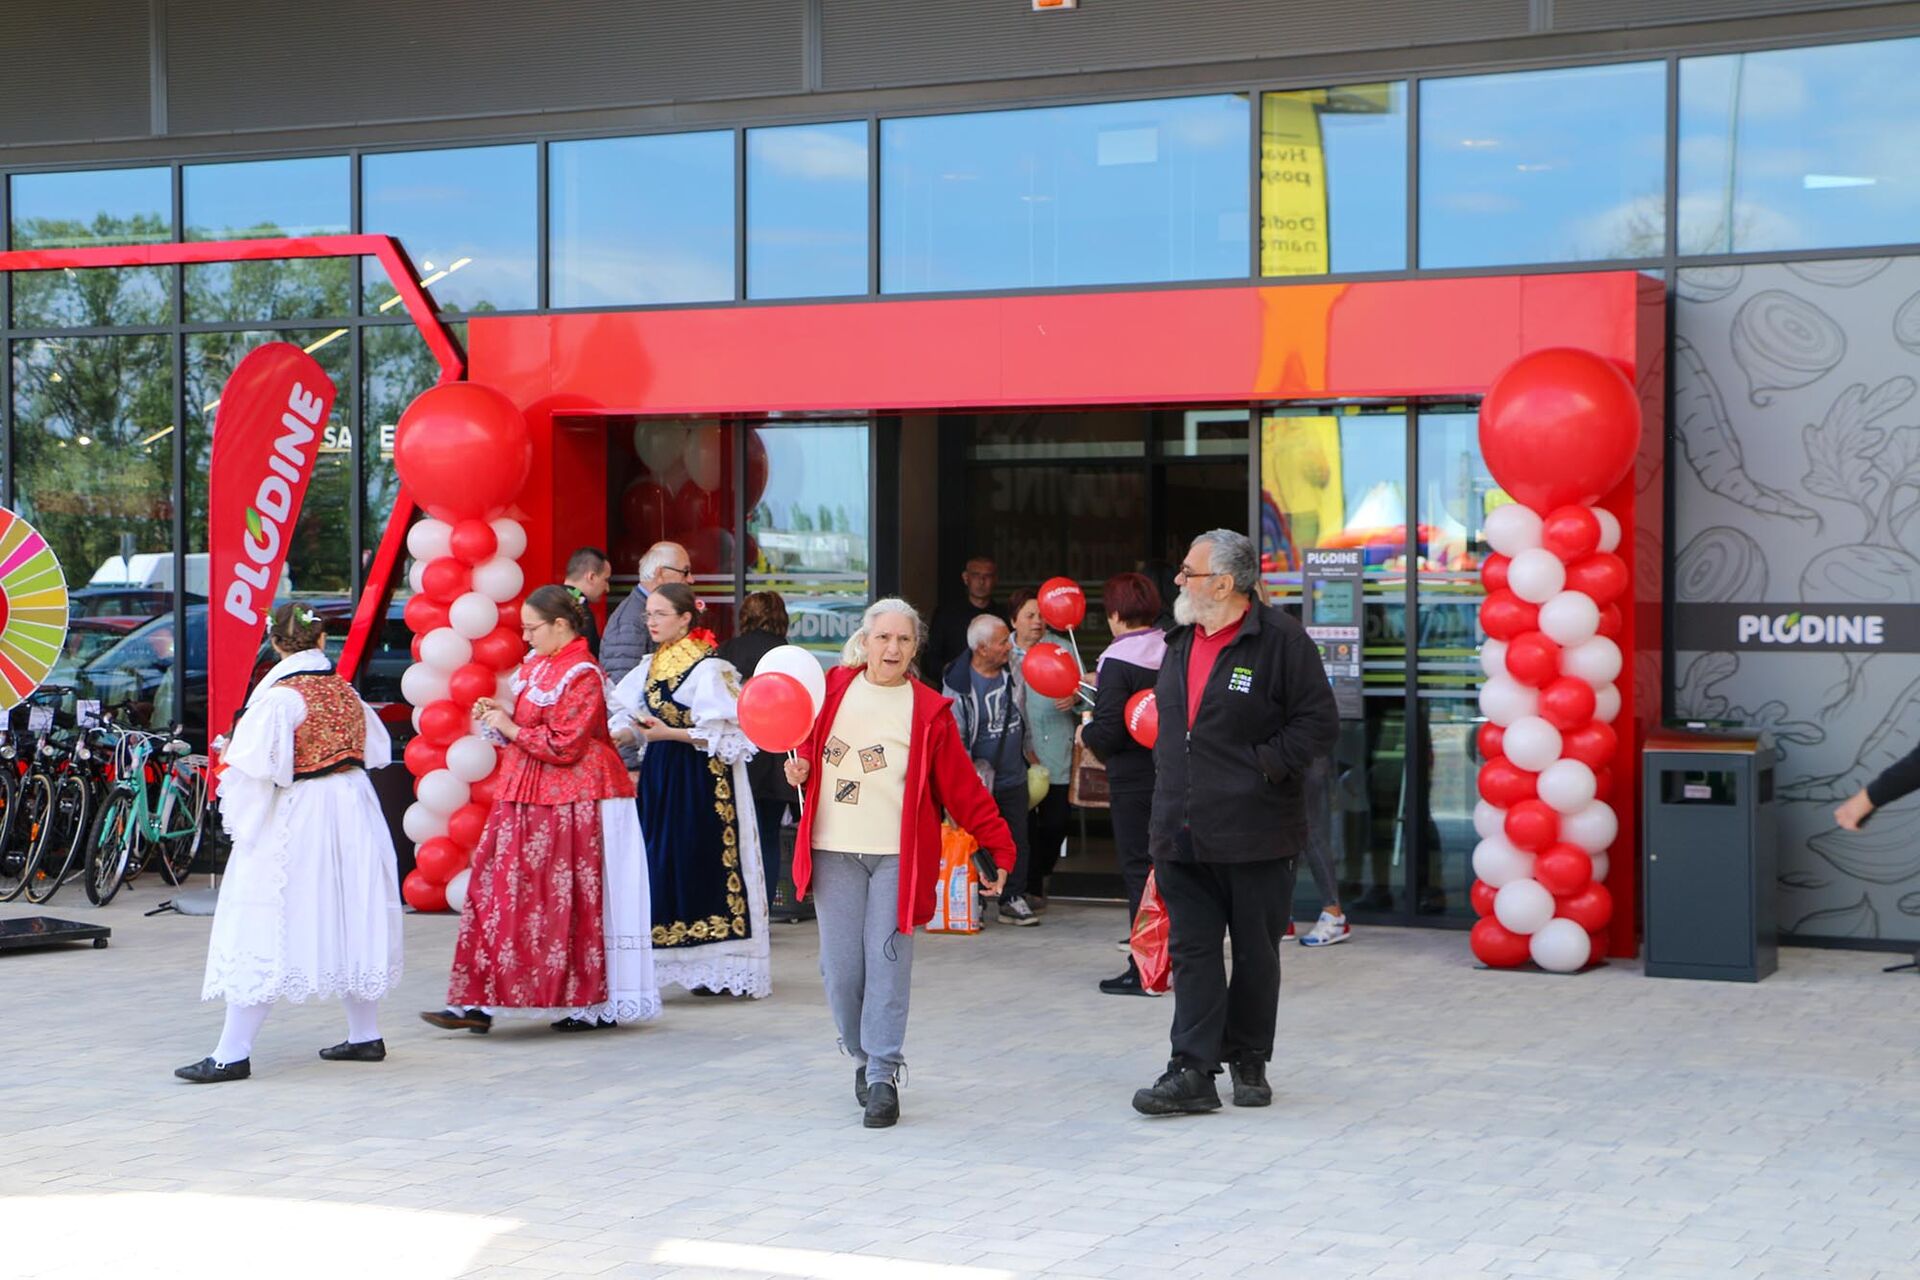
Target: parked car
[[124, 601], [87, 639]]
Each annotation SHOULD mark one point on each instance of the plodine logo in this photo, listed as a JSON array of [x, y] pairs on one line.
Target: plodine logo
[[1801, 628]]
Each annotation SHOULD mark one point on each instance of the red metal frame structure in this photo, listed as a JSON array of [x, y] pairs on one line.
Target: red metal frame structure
[[393, 259]]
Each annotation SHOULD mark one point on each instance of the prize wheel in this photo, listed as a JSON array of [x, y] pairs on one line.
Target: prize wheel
[[33, 609]]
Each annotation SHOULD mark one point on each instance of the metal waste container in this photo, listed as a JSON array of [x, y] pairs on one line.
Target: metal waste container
[[1711, 846]]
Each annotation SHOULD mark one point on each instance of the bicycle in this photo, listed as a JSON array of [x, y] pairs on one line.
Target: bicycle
[[58, 804], [15, 760], [157, 805]]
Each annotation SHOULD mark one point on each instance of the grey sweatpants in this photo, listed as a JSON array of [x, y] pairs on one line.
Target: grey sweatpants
[[865, 959]]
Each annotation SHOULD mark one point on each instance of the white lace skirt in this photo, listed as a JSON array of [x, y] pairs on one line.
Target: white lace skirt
[[311, 908], [743, 966]]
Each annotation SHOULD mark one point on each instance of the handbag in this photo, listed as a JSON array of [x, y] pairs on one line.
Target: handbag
[[1087, 788]]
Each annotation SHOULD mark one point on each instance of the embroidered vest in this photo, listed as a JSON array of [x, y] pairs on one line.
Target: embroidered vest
[[334, 734]]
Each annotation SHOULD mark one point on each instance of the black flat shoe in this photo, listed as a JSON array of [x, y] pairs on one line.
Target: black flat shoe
[[1127, 984], [478, 1021], [883, 1106], [860, 1085], [207, 1071], [348, 1051], [583, 1024], [1182, 1091], [706, 991], [1250, 1087]]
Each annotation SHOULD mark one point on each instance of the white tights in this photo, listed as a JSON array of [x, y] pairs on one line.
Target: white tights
[[245, 1020]]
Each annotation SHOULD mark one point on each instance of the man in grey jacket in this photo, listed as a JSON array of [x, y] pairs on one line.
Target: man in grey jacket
[[984, 684], [626, 640]]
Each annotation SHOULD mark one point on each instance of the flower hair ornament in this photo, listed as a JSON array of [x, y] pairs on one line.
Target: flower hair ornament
[[305, 616]]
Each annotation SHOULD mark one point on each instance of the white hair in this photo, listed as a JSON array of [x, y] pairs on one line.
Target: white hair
[[1233, 555], [658, 557], [855, 652], [980, 630]]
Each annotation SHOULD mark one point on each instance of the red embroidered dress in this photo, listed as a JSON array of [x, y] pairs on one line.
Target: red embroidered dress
[[531, 936]]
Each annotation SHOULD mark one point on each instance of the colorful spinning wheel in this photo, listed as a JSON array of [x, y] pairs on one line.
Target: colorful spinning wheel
[[33, 609]]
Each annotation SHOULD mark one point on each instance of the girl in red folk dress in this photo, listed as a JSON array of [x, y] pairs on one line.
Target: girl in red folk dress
[[557, 919]]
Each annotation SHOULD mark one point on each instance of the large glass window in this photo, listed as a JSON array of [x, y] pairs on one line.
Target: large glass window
[[807, 211], [1799, 148], [396, 366], [808, 530], [269, 198], [468, 218], [1108, 193], [71, 210], [1543, 166], [640, 220], [1333, 180]]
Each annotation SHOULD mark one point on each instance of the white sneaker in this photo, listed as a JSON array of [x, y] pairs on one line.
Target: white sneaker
[[1015, 911], [1326, 931]]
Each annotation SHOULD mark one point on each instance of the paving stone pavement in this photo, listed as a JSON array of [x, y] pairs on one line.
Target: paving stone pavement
[[1431, 1120]]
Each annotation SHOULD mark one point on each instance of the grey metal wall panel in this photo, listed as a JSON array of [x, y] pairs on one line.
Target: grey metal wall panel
[[1597, 15], [359, 61], [871, 43], [74, 70]]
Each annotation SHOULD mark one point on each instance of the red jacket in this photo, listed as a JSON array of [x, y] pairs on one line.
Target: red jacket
[[939, 776]]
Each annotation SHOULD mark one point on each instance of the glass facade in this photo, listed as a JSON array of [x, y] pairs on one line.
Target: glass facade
[[1333, 180], [807, 222], [469, 219], [641, 220]]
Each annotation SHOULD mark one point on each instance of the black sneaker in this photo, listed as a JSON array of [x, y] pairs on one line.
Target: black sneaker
[[860, 1085], [478, 1021], [1250, 1087], [583, 1024], [1015, 911], [207, 1071], [883, 1105], [1127, 984], [1181, 1091], [348, 1051]]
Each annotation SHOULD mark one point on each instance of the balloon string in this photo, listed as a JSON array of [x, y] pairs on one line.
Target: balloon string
[[1077, 661]]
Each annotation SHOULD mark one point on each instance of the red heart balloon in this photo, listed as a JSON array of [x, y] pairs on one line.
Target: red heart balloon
[[1489, 737], [1563, 869], [1504, 784], [1592, 744], [1570, 532], [1567, 703], [1532, 824], [1591, 908], [1497, 946], [1533, 658], [1481, 896], [1602, 576], [1504, 615], [1493, 572], [1559, 427]]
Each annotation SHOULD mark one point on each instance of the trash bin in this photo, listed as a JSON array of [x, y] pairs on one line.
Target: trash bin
[[1710, 844]]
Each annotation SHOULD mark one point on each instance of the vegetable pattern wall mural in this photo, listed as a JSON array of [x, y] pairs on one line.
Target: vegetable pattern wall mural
[[1797, 483]]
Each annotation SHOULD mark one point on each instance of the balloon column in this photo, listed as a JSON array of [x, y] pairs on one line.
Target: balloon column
[[1559, 429], [462, 451]]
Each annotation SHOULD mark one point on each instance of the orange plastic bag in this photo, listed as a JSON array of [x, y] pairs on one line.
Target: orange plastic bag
[[1149, 941], [956, 909]]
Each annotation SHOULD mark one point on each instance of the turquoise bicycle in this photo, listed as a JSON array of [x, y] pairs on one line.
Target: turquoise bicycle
[[156, 811]]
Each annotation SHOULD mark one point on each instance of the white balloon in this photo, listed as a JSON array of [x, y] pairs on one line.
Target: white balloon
[[1596, 661], [457, 889], [499, 580], [1489, 819], [422, 824], [1504, 700], [1560, 946], [443, 793], [1493, 657], [1609, 528], [792, 660], [416, 576], [1531, 743], [473, 615], [1601, 865], [428, 539], [660, 445], [470, 758], [1523, 906], [1606, 703], [445, 650], [1513, 528], [1570, 618], [1567, 786], [415, 717], [702, 455], [511, 535], [1593, 827], [421, 684], [1496, 861], [1536, 575]]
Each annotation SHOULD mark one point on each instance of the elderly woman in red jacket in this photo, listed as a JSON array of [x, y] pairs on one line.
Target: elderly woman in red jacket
[[883, 760]]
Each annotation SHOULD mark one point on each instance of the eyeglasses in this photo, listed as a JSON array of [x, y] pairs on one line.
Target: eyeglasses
[[527, 629], [684, 570], [1184, 574]]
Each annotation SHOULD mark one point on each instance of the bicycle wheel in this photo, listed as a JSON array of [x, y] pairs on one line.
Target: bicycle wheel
[[183, 817], [110, 840], [60, 839], [32, 800]]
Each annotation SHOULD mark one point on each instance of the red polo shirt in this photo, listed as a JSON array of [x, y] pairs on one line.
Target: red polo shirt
[[1200, 661]]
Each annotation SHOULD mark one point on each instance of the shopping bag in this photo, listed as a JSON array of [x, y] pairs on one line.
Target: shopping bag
[[1149, 943], [955, 910], [1087, 785]]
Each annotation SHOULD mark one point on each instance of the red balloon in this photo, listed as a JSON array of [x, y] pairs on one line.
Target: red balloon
[[1603, 784], [473, 542], [1493, 572], [1592, 744], [1532, 824], [481, 792], [1590, 908], [1481, 896], [1559, 427], [694, 508], [709, 550], [1050, 671], [439, 859], [1533, 658], [1062, 603], [471, 683], [1143, 718], [757, 468], [415, 647], [643, 510], [1567, 703], [626, 553], [446, 579], [1563, 869], [500, 649], [1489, 738], [1602, 576], [1504, 784], [1504, 615], [775, 712], [463, 450], [1497, 946], [1597, 945], [423, 757], [1611, 620], [423, 615], [467, 825], [443, 721], [1571, 533], [510, 616], [423, 894]]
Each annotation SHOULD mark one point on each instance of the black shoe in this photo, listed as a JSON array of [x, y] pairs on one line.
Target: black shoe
[[883, 1105], [860, 1085], [1250, 1087], [348, 1051], [1127, 984], [478, 1021], [583, 1024], [1181, 1091], [207, 1071]]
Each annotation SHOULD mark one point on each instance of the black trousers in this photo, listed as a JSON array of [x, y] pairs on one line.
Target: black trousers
[[1131, 813], [1214, 1020], [1047, 825]]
